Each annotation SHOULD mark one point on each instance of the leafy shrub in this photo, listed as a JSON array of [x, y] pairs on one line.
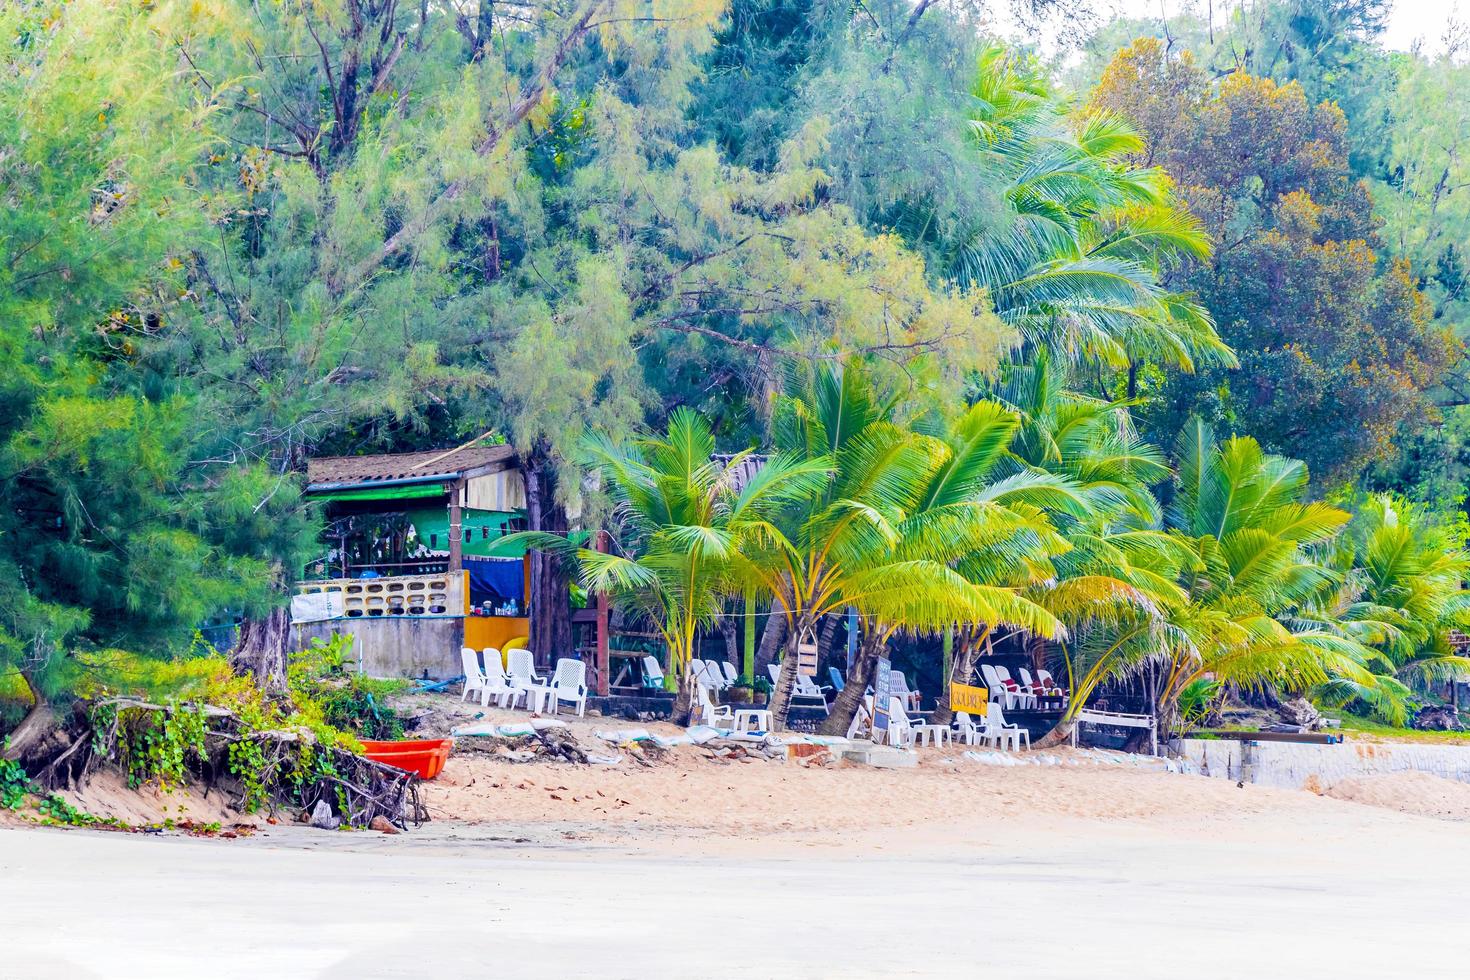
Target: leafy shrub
[[14, 785]]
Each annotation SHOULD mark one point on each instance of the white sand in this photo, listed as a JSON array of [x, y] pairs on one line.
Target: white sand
[[768, 869]]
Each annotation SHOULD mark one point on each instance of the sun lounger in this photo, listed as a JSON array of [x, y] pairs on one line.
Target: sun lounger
[[1028, 693], [653, 674], [1052, 687], [803, 688], [1003, 690]]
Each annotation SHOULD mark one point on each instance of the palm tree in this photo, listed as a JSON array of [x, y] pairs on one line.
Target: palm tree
[[1401, 593], [993, 534], [867, 540], [1241, 530], [1115, 582], [1079, 267], [679, 513]]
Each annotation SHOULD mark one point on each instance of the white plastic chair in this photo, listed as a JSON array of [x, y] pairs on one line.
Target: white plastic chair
[[968, 732], [523, 676], [1026, 695], [1005, 691], [1002, 734], [497, 684], [900, 732], [714, 676], [803, 688], [711, 714], [998, 691], [653, 674], [569, 684], [732, 676], [1049, 682], [695, 670], [521, 665], [474, 678], [899, 685]]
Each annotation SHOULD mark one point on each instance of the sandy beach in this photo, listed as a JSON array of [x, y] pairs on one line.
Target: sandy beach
[[773, 869]]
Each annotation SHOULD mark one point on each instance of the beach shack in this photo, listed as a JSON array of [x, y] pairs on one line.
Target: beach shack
[[412, 564]]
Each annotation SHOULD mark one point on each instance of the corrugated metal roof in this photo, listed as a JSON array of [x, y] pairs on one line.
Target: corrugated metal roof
[[743, 471], [425, 466]]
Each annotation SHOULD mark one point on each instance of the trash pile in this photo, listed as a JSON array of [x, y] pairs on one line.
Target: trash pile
[[550, 740]]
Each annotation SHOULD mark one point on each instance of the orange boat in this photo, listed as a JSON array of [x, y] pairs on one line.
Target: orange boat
[[426, 757]]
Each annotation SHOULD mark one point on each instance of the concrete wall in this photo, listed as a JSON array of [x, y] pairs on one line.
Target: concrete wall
[[1316, 767], [397, 646]]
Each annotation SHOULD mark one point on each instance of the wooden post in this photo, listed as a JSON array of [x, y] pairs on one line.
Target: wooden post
[[456, 532], [604, 659], [948, 660], [747, 666]]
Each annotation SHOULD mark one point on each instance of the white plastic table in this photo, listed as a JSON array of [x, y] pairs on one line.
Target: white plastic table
[[934, 734], [758, 720], [537, 696]]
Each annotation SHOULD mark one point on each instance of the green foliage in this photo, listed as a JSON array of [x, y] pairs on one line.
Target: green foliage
[[219, 255], [15, 785], [160, 745], [1338, 352], [1196, 700]]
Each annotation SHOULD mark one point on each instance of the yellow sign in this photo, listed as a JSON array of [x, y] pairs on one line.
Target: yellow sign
[[971, 700]]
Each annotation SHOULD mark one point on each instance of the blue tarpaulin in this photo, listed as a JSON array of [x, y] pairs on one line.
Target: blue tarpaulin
[[496, 580]]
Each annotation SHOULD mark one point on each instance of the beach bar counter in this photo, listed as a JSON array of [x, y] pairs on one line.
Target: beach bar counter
[[412, 564]]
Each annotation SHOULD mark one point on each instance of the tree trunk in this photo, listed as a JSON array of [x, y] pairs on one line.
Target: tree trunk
[[1061, 733], [731, 632], [845, 708], [261, 650], [825, 635], [781, 696], [684, 699], [35, 728], [550, 600], [964, 663], [771, 639]]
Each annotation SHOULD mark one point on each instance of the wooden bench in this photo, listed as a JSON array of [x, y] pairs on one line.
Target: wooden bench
[[1119, 720]]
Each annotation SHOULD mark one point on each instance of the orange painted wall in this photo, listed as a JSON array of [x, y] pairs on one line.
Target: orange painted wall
[[493, 631]]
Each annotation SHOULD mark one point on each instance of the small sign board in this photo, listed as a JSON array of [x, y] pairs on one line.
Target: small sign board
[[971, 700], [882, 688], [806, 659]]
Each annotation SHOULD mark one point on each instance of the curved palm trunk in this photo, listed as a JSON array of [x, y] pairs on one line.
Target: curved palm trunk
[[771, 637], [1060, 734], [864, 663], [781, 696]]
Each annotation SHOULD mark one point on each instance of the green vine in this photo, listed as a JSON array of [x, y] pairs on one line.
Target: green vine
[[14, 785], [159, 745]]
